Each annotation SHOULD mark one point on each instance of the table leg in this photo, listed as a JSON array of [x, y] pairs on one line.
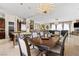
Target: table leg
[[14, 41]]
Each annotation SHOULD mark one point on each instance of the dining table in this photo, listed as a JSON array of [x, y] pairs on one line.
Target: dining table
[[46, 41]]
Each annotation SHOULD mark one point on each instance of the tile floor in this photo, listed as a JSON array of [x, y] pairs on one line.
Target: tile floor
[[71, 47]]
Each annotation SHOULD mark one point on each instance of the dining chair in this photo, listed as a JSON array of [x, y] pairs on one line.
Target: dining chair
[[41, 34], [63, 32], [23, 46], [43, 49], [52, 31], [34, 36], [58, 50]]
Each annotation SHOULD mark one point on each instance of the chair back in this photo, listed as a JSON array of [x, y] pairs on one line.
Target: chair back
[[63, 32], [23, 46], [52, 31], [63, 44], [34, 34], [42, 34]]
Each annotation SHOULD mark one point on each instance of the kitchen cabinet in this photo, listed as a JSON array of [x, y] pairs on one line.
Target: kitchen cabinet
[[2, 28]]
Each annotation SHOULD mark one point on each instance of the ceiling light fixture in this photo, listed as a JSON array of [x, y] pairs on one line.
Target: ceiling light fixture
[[45, 8]]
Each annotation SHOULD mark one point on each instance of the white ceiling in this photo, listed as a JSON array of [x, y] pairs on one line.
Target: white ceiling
[[27, 10]]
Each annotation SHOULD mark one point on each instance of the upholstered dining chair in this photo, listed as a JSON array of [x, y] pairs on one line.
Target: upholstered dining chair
[[23, 46], [41, 34], [34, 36], [58, 50], [63, 32]]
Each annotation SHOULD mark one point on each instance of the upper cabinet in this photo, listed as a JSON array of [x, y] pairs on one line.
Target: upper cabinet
[[2, 23], [2, 28]]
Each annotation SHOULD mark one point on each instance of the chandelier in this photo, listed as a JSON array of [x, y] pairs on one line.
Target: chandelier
[[45, 8]]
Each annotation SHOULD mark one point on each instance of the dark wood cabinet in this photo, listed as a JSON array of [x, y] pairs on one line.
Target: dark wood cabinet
[[2, 24], [2, 28], [2, 34]]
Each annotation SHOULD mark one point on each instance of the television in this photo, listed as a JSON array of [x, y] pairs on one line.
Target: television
[[76, 25]]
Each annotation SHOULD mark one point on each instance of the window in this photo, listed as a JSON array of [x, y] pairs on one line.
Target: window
[[66, 26], [53, 27], [59, 27]]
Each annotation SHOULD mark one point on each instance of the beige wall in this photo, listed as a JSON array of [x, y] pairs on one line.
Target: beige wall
[[10, 18], [28, 25]]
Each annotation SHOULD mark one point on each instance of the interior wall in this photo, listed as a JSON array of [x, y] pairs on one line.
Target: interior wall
[[9, 18], [28, 25]]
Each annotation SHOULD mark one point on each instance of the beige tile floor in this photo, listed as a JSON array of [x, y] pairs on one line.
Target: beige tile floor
[[7, 49], [71, 47]]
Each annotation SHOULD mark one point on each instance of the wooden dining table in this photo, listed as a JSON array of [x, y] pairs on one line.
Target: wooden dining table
[[49, 41]]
